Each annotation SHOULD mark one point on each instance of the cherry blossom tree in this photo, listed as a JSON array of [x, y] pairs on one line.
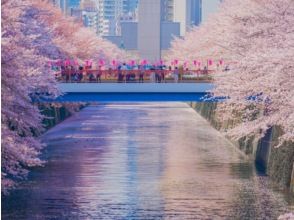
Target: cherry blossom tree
[[256, 39], [34, 32], [75, 40]]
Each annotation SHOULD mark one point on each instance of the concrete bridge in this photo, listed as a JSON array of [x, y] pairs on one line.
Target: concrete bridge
[[95, 92]]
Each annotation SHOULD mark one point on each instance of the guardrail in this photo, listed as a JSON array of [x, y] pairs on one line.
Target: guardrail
[[132, 76]]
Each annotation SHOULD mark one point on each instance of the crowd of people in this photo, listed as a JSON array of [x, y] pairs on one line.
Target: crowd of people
[[127, 73]]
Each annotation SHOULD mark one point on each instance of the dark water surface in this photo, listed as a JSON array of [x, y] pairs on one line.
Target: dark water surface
[[143, 161]]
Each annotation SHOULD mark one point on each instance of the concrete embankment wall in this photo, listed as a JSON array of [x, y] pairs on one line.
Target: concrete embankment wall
[[55, 114], [278, 163]]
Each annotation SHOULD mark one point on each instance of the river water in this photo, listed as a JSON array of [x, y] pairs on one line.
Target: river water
[[143, 161]]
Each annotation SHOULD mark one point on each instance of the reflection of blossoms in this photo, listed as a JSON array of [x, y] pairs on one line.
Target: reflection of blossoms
[[288, 216], [255, 39], [34, 32]]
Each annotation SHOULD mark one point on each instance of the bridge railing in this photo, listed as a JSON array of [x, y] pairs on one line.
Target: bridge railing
[[132, 76]]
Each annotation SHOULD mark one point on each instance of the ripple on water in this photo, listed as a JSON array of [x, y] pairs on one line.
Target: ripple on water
[[142, 161]]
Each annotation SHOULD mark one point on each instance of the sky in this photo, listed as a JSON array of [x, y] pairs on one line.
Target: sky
[[208, 7]]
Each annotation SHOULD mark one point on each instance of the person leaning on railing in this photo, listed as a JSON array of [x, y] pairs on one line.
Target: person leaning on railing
[[157, 75], [124, 69], [80, 74], [176, 75], [162, 73], [99, 73], [120, 74], [141, 73]]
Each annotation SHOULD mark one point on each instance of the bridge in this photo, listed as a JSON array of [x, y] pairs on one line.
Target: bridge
[[97, 92]]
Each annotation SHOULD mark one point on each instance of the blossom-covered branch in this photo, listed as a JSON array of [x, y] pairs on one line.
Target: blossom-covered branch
[[256, 39]]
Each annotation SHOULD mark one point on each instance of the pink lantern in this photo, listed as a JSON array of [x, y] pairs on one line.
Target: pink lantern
[[221, 62], [132, 62], [113, 62], [195, 62], [176, 62], [161, 62], [210, 62], [101, 62], [66, 62], [144, 62], [88, 63]]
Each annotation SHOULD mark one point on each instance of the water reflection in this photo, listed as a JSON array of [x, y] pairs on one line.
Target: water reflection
[[142, 161]]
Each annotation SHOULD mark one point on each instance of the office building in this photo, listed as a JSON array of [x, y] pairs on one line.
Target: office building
[[151, 35], [73, 4], [196, 12], [188, 13], [66, 6], [130, 6], [109, 12], [89, 14], [167, 10], [149, 26], [62, 4]]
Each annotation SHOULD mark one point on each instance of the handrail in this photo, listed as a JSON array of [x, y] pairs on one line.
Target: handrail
[[94, 75]]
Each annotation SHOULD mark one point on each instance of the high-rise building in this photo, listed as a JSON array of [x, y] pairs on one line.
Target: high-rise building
[[130, 6], [149, 29], [188, 13], [112, 13], [150, 35], [167, 10], [89, 14], [62, 4], [66, 5], [196, 12], [109, 12], [73, 3], [155, 28]]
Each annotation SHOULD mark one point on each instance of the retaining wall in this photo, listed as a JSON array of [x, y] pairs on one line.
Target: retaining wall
[[278, 163]]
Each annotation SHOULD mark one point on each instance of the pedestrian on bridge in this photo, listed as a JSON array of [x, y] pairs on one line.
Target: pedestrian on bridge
[[99, 73], [124, 69], [141, 73], [176, 75], [162, 70], [80, 73], [120, 76]]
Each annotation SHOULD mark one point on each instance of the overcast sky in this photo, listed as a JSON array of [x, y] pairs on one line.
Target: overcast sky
[[208, 6]]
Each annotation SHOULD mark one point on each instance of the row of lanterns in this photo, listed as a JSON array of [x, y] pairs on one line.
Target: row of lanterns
[[115, 63]]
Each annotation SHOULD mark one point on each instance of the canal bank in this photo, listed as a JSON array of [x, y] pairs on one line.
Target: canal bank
[[277, 163], [56, 113]]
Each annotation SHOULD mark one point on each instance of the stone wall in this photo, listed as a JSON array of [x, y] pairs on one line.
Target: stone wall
[[55, 114], [278, 163]]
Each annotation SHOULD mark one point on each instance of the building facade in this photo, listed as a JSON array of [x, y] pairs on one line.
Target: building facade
[[130, 6], [109, 12], [149, 26], [62, 4], [168, 10], [67, 5], [89, 13], [196, 12], [188, 13]]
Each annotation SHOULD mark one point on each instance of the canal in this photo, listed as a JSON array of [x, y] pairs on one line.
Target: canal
[[143, 161]]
